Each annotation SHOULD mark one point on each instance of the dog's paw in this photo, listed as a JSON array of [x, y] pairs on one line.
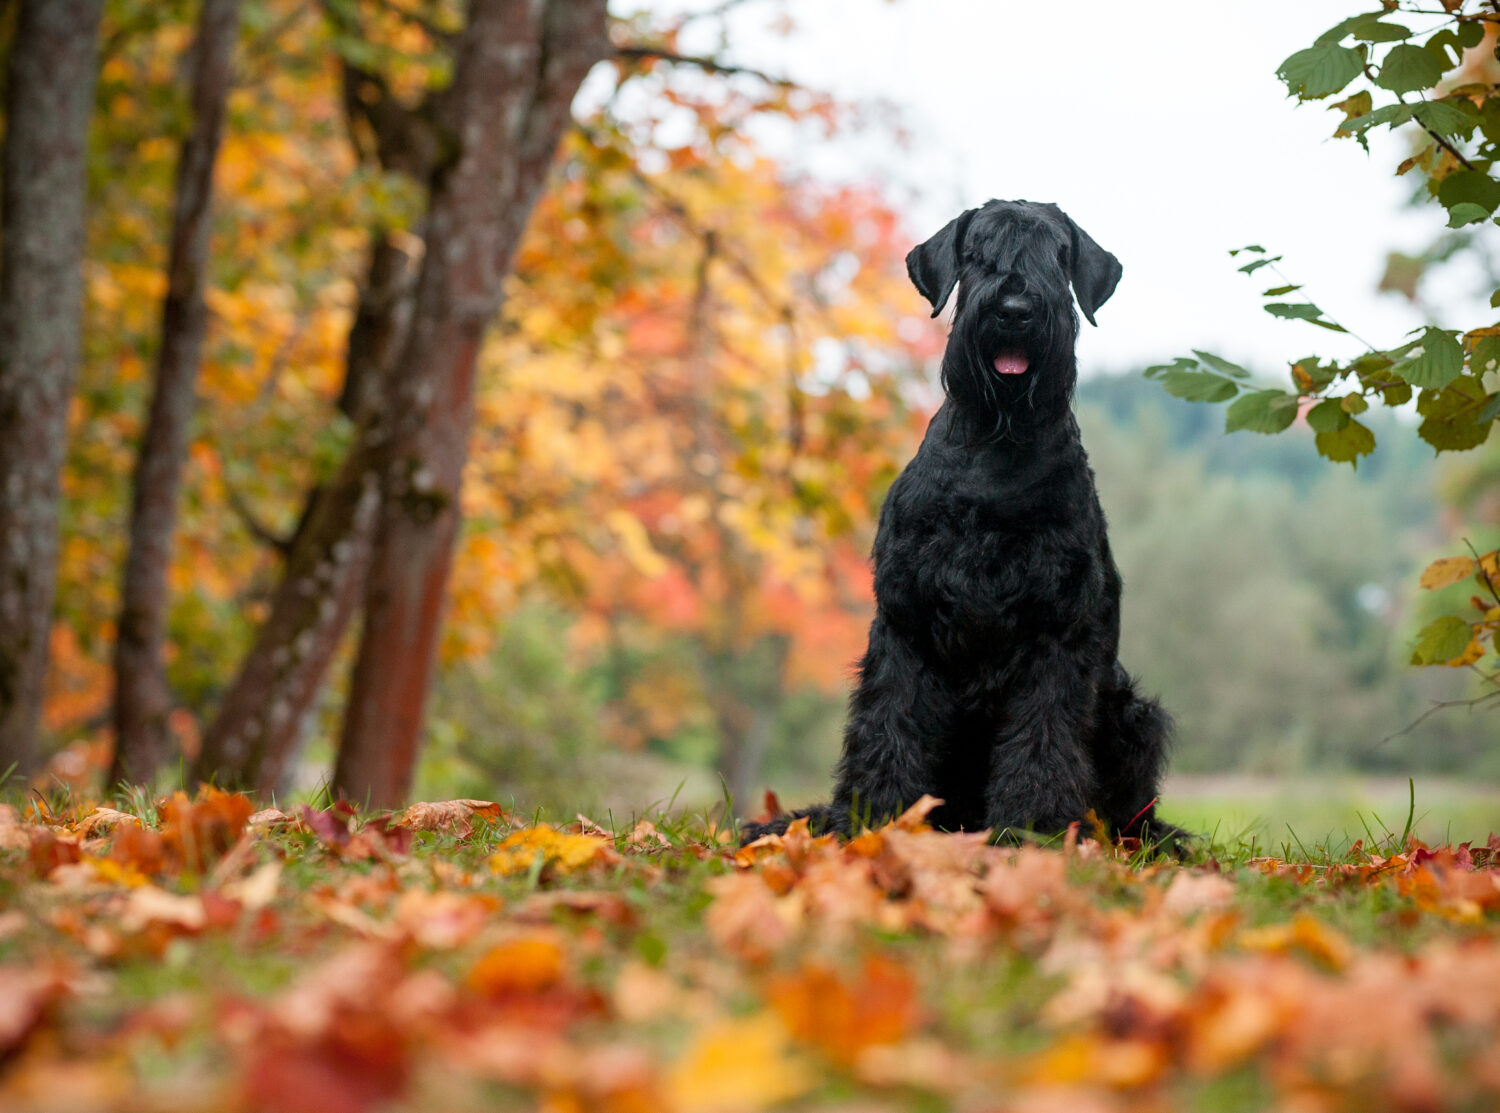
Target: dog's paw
[[819, 822]]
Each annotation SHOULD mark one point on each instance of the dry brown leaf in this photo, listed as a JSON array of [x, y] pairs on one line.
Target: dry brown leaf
[[453, 817], [102, 820]]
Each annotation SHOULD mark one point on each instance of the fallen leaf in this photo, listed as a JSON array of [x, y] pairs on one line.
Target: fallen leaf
[[523, 850], [738, 1065], [454, 817]]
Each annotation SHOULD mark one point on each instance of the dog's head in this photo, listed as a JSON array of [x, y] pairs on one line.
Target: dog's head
[[1014, 263]]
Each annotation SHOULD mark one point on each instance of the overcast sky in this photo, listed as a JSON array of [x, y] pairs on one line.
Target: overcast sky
[[1159, 126]]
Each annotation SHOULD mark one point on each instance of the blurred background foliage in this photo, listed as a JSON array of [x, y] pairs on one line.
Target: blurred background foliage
[[707, 370]]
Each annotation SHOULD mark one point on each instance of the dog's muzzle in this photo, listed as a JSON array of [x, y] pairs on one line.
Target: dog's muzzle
[[1014, 315]]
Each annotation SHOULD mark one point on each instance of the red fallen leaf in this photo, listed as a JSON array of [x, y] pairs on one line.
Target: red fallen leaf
[[379, 840], [48, 850], [361, 1065], [333, 828], [27, 996], [770, 808], [454, 817]]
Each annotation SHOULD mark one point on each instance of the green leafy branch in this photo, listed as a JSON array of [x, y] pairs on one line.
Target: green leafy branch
[[1427, 80]]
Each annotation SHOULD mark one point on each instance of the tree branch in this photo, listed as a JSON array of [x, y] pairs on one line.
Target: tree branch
[[706, 64]]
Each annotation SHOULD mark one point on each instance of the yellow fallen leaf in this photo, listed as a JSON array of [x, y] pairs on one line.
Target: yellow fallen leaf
[[519, 852], [1307, 934], [739, 1065]]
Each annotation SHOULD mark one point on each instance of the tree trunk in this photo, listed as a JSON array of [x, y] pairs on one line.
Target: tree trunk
[[142, 696], [256, 732], [49, 96], [519, 64]]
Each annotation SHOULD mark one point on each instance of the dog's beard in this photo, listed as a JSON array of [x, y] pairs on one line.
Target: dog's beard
[[1003, 382]]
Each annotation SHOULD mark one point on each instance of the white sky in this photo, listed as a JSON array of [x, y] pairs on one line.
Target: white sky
[[1159, 126]]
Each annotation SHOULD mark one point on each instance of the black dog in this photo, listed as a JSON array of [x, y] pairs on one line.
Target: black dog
[[991, 678]]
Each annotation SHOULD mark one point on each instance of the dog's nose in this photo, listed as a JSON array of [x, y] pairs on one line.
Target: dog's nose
[[1015, 311]]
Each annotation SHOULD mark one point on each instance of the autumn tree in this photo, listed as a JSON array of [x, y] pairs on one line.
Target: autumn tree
[[48, 100]]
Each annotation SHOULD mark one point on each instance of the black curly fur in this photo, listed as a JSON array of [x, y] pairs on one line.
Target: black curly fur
[[992, 679]]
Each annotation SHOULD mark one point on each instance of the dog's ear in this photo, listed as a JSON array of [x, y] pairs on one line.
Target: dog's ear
[[933, 266], [1095, 272]]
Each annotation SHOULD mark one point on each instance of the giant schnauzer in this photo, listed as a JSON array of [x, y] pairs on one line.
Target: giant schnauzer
[[992, 679]]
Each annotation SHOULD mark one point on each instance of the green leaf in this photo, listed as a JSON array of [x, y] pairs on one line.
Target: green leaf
[[1495, 300], [1301, 311], [1327, 416], [1181, 363], [1392, 114], [1443, 118], [1441, 640], [1320, 71], [1380, 32], [1396, 395], [1198, 386], [1344, 27], [1348, 444], [1220, 364], [1462, 397], [1408, 69], [1454, 415], [1251, 268], [1486, 355], [1434, 360], [1309, 374], [1456, 435], [1261, 411], [1353, 404], [1469, 187], [1280, 291], [1248, 247], [1470, 34], [1466, 212]]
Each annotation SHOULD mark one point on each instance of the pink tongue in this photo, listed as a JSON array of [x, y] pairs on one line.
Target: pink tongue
[[1010, 363]]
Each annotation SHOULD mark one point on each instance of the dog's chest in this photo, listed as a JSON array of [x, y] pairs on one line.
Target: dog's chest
[[978, 556]]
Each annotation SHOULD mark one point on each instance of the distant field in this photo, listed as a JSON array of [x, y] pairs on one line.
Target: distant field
[[1324, 809]]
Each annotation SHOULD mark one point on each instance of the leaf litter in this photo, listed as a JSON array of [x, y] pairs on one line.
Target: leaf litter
[[203, 955]]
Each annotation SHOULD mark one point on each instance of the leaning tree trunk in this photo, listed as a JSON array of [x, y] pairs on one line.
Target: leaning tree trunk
[[519, 64], [49, 96], [142, 696], [255, 733]]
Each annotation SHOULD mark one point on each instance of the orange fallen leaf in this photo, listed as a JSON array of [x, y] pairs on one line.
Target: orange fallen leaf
[[844, 1016], [529, 964], [102, 820]]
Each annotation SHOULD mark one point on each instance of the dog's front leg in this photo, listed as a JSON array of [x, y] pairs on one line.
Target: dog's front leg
[[898, 711], [1041, 773]]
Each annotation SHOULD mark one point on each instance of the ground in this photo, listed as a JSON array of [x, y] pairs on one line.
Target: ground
[[188, 955]]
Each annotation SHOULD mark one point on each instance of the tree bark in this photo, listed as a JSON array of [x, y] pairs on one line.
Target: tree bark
[[142, 696], [256, 732], [519, 64], [49, 96]]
